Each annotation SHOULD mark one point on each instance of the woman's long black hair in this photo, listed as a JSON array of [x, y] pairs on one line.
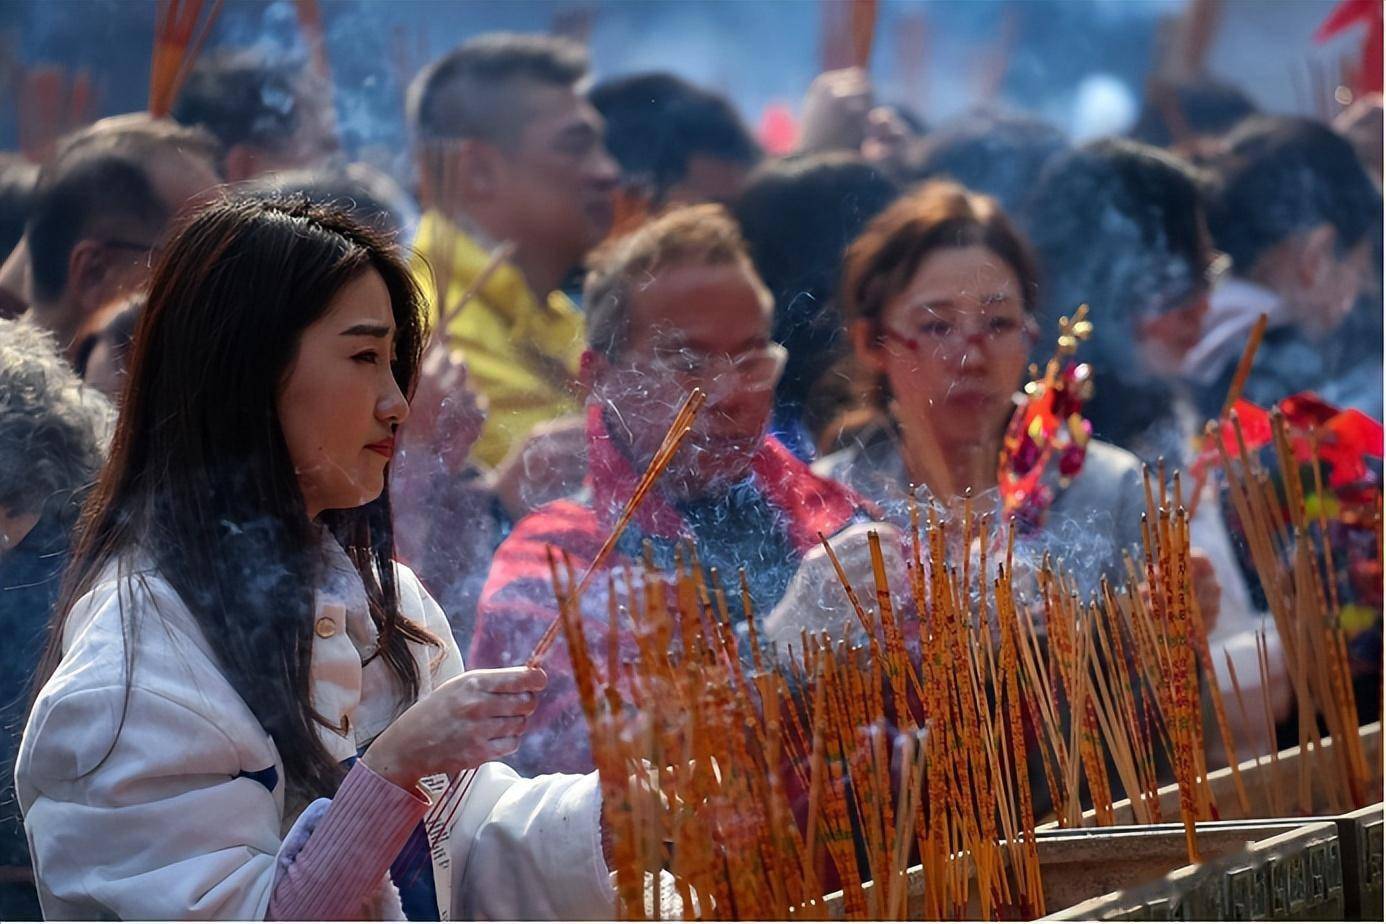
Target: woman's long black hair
[[199, 481]]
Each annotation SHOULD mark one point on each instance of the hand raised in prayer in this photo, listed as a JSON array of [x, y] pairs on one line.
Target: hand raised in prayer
[[835, 111], [445, 414]]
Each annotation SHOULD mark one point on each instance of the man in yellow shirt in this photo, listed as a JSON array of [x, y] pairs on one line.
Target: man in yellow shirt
[[511, 156]]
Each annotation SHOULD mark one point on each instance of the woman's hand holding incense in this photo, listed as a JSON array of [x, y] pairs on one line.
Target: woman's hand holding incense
[[816, 599], [472, 718]]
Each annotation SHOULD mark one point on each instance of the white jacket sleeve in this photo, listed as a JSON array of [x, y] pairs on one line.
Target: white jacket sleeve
[[162, 828], [519, 849], [530, 849]]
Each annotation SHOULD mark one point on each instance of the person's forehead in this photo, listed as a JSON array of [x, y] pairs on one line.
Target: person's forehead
[[716, 305], [960, 274], [550, 108], [364, 299]]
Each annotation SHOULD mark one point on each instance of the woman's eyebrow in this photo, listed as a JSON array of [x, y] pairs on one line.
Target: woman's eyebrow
[[930, 304], [369, 330]]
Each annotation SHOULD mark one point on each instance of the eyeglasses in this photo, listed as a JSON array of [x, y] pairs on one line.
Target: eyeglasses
[[936, 335], [755, 369]]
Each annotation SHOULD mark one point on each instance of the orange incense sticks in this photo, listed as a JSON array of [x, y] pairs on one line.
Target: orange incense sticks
[[180, 28]]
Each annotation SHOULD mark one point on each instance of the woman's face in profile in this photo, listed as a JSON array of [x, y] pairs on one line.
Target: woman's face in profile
[[956, 342], [340, 405]]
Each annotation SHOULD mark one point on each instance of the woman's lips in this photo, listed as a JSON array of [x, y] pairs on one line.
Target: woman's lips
[[385, 447]]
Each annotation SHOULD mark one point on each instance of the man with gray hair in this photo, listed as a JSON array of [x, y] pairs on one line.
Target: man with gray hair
[[674, 306], [53, 433]]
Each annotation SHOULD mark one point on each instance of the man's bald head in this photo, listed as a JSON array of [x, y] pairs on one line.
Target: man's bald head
[[478, 90]]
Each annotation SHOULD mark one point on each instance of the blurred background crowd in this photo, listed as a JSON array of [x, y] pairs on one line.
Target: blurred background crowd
[[887, 172]]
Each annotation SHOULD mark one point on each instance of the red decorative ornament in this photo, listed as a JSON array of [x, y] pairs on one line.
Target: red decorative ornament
[[1048, 422], [778, 130]]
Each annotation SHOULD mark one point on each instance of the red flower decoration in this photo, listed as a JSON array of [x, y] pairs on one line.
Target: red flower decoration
[[1255, 424], [1307, 410]]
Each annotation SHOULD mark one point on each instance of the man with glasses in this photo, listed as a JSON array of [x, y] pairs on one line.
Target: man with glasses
[[101, 208], [674, 306]]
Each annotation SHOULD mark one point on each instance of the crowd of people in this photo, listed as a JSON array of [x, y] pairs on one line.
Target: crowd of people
[[282, 437]]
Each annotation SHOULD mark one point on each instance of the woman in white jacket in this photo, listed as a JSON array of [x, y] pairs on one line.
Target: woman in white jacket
[[234, 633]]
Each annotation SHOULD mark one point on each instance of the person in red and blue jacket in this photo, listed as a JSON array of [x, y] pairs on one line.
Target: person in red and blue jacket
[[673, 306]]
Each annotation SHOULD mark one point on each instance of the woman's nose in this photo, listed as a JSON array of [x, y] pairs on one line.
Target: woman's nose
[[971, 349], [393, 407]]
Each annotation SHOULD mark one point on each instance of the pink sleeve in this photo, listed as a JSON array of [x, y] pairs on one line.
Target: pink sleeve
[[349, 851]]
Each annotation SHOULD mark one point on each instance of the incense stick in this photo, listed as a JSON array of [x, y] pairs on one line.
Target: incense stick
[[1234, 394], [179, 32], [497, 258], [663, 456]]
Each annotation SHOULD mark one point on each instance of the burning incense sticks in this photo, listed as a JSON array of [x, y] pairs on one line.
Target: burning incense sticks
[[892, 757], [726, 747], [1291, 567], [1234, 393]]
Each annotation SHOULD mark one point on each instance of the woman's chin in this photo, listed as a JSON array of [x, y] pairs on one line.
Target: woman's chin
[[359, 494]]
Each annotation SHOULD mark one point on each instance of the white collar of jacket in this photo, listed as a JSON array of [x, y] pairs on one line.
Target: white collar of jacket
[[1233, 308], [349, 686]]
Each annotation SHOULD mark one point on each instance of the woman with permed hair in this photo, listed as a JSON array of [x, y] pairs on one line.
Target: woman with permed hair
[[53, 432]]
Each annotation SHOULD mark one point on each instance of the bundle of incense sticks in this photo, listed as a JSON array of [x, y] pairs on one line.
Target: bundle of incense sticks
[[747, 782], [179, 31], [890, 756], [1151, 680], [1294, 564], [751, 781], [848, 33]]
